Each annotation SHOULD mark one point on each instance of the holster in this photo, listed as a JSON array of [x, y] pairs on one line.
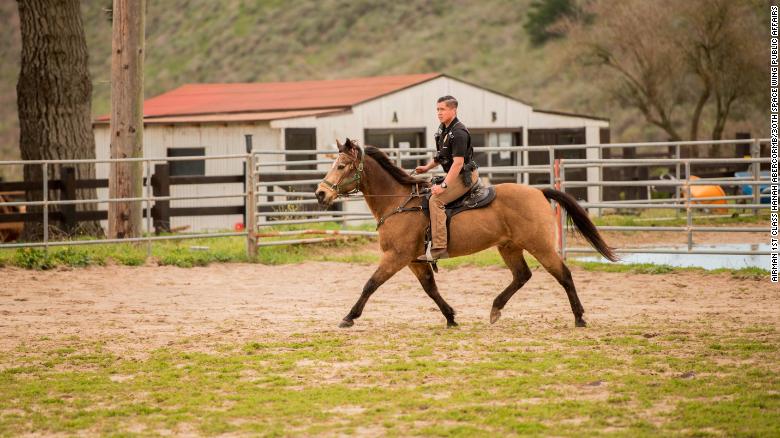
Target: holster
[[465, 173]]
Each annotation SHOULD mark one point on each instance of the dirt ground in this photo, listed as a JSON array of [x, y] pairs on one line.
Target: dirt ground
[[139, 308]]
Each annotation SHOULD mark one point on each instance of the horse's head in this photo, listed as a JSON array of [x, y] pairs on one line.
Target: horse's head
[[344, 175]]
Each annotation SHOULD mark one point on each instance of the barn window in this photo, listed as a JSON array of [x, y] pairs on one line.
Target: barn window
[[187, 167]]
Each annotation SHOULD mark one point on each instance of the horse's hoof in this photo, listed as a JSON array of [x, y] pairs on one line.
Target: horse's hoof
[[579, 322], [346, 323], [452, 324], [494, 315]]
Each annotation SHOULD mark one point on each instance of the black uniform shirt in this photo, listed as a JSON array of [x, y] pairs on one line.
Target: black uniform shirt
[[452, 141]]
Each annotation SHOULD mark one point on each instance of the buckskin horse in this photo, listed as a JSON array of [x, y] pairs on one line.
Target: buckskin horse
[[519, 219]]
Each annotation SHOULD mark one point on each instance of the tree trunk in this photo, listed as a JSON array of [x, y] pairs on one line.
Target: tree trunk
[[703, 98], [127, 126], [54, 100]]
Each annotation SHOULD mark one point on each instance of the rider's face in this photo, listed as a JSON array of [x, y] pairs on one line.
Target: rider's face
[[445, 113]]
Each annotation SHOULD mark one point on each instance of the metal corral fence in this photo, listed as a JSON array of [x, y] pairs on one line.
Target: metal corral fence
[[682, 201], [146, 200], [271, 199]]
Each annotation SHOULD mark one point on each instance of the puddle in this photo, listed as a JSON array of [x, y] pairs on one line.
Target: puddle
[[706, 261]]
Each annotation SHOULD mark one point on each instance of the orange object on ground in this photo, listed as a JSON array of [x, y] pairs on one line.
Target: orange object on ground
[[707, 192]]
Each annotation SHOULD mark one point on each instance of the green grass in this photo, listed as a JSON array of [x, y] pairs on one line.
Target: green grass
[[512, 378], [186, 252], [666, 217]]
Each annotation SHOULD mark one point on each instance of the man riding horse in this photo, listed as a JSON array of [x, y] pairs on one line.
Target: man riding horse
[[455, 155], [519, 219]]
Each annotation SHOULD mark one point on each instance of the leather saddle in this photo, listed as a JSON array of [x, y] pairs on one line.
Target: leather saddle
[[477, 197]]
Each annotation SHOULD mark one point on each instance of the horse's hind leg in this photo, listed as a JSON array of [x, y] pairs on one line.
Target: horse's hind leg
[[554, 265], [424, 273], [513, 257]]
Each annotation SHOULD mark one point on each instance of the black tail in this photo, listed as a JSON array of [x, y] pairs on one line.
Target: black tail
[[581, 221]]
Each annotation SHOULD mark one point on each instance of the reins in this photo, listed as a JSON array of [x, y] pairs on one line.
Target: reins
[[402, 208], [358, 175]]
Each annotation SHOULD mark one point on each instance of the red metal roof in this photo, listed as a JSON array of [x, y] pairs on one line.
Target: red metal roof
[[230, 117], [200, 99]]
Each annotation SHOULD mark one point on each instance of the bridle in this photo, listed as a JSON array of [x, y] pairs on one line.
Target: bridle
[[355, 178]]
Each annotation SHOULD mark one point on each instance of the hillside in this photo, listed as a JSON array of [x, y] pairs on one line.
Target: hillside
[[241, 41]]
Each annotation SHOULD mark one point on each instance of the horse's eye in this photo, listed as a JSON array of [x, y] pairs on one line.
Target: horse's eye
[[341, 166]]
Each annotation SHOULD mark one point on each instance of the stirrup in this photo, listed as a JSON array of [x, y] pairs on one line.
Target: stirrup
[[428, 256]]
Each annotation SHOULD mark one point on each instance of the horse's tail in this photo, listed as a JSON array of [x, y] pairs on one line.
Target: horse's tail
[[581, 221]]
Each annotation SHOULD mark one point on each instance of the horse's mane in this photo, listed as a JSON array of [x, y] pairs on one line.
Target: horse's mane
[[397, 173]]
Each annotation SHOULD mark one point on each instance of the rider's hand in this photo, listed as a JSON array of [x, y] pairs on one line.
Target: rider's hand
[[420, 169], [437, 190]]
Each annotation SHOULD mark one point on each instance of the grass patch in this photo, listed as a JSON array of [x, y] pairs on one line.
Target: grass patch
[[666, 217], [340, 383], [202, 252], [187, 252], [752, 273]]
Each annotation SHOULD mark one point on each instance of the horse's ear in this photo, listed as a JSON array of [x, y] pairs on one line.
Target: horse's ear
[[352, 147], [340, 146]]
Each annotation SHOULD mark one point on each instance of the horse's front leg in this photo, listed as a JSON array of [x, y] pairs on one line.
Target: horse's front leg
[[388, 266]]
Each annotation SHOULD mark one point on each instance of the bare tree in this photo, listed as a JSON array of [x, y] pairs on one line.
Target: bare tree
[[682, 64], [54, 98]]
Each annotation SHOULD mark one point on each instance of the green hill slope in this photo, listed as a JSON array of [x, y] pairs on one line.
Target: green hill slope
[[242, 41]]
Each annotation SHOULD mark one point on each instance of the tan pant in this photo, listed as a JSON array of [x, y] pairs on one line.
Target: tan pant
[[436, 205]]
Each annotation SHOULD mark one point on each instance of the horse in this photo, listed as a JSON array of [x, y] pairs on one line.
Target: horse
[[519, 219]]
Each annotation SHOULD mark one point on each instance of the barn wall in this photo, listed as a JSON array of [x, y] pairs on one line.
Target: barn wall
[[414, 107], [217, 139], [540, 120]]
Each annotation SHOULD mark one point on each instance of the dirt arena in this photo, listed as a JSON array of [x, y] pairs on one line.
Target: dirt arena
[[153, 306], [121, 350]]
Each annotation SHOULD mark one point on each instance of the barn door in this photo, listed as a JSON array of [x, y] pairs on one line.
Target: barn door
[[300, 139], [406, 139], [546, 137]]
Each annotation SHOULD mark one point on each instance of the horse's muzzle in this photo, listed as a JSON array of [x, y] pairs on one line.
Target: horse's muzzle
[[322, 198]]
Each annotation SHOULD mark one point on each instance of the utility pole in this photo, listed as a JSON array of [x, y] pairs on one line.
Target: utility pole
[[127, 126]]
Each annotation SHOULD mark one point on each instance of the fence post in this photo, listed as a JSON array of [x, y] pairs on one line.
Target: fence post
[[45, 206], [250, 211], [68, 193], [551, 159], [688, 209], [563, 211], [250, 201], [755, 153], [161, 186], [245, 185], [148, 212], [677, 192], [557, 186]]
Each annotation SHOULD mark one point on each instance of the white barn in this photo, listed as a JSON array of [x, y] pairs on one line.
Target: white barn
[[386, 111]]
